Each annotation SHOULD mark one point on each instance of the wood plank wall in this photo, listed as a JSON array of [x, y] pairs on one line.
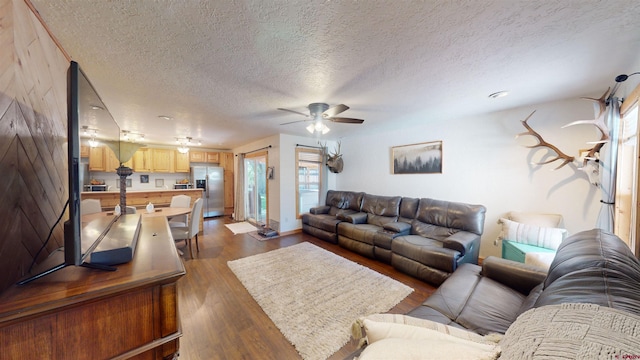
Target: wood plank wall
[[33, 140]]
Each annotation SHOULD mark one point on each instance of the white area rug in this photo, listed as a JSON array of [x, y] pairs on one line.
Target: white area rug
[[240, 228], [313, 295]]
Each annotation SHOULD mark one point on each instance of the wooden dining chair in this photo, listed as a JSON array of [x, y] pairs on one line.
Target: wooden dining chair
[[187, 233]]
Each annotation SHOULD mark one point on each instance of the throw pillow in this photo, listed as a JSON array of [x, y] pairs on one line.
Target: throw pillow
[[549, 238], [436, 348]]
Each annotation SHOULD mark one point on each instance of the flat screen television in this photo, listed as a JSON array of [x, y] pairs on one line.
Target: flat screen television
[[89, 124]]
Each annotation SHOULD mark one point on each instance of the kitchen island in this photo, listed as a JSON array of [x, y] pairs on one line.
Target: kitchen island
[[140, 199]]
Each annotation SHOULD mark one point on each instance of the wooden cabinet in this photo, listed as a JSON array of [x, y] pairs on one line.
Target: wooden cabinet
[[182, 162], [162, 160], [96, 159], [84, 151], [81, 313], [142, 160], [197, 156], [226, 161], [111, 161], [213, 157]]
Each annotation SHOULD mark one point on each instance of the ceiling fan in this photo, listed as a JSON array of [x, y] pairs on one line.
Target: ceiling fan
[[321, 111]]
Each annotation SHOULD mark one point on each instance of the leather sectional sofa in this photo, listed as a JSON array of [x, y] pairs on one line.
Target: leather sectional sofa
[[586, 307], [425, 238], [592, 267]]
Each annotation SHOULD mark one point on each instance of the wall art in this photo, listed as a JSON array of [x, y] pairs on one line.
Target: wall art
[[422, 158]]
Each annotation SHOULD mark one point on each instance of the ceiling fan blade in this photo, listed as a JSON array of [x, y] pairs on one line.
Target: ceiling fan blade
[[346, 120], [295, 112], [293, 122], [329, 113]]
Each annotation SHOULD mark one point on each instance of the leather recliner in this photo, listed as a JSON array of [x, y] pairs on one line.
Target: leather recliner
[[357, 231], [322, 221], [443, 236]]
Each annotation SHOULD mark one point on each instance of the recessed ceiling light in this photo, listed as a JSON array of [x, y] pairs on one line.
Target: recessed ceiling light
[[165, 117], [498, 94]]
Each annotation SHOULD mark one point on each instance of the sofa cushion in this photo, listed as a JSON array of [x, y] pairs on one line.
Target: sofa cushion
[[358, 232], [451, 215], [380, 209], [408, 209], [343, 200], [426, 251], [324, 222]]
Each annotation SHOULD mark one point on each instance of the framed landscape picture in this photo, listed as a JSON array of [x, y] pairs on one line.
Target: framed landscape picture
[[422, 158]]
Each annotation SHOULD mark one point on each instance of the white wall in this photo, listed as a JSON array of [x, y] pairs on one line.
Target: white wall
[[484, 164]]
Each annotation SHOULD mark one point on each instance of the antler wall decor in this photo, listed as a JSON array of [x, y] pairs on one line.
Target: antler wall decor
[[592, 153]]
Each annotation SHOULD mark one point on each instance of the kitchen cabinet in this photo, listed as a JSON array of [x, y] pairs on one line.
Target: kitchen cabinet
[[226, 161], [213, 157], [97, 159], [142, 160], [182, 162], [111, 161], [197, 156], [84, 151], [162, 160]]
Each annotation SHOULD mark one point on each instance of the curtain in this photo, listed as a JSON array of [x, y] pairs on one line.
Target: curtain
[[608, 168], [239, 203]]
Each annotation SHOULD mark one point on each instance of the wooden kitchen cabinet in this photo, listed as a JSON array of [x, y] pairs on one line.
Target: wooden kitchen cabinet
[[84, 151], [182, 162], [97, 159], [111, 161], [213, 157], [197, 156], [226, 161], [162, 160], [142, 160]]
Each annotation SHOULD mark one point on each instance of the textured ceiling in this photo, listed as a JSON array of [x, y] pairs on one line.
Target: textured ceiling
[[221, 68]]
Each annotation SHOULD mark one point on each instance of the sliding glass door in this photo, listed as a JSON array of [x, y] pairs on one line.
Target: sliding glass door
[[255, 193]]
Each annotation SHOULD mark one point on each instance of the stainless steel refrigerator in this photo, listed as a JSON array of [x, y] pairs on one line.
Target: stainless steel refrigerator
[[211, 180]]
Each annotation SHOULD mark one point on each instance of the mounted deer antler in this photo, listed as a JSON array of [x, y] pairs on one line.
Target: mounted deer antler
[[591, 154], [600, 124], [335, 162], [542, 143]]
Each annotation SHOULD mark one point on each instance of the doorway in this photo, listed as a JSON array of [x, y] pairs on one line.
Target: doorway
[[255, 191]]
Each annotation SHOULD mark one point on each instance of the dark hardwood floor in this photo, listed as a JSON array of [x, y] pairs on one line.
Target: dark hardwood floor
[[220, 320]]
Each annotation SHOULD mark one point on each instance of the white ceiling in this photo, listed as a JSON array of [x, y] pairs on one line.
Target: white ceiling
[[221, 68]]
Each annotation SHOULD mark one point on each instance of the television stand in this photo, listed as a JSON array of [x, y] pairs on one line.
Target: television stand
[[137, 303]]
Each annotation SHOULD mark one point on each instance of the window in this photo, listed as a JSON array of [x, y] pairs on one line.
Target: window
[[308, 179]]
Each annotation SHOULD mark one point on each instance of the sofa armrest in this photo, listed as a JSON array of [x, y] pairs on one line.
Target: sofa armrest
[[516, 275], [398, 228], [320, 210], [462, 241], [357, 218]]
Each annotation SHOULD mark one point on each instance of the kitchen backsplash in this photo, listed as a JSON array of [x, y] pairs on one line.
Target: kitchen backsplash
[[139, 181]]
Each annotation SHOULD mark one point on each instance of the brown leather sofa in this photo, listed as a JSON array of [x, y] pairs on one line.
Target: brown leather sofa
[[321, 221], [356, 232], [592, 266], [443, 236], [425, 238]]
